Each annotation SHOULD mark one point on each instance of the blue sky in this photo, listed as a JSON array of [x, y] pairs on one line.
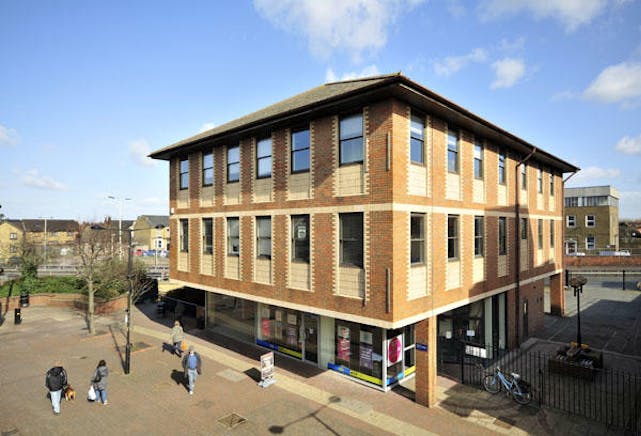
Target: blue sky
[[89, 88]]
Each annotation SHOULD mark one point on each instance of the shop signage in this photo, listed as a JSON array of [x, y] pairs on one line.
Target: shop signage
[[421, 347], [476, 351], [267, 370], [366, 356], [343, 343], [394, 350]]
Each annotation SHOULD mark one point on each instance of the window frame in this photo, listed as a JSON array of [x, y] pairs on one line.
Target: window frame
[[552, 232], [587, 245], [539, 181], [524, 176], [184, 235], [230, 238], [342, 140], [590, 223], [229, 163], [357, 258], [417, 239], [524, 229], [540, 234], [208, 169], [260, 237], [294, 152], [453, 248], [183, 174], [502, 236], [419, 118], [569, 218], [453, 150], [479, 236], [551, 184], [207, 226], [502, 169], [259, 159], [302, 242], [478, 161]]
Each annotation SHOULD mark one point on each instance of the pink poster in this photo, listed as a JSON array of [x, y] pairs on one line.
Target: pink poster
[[342, 344], [394, 350], [264, 328]]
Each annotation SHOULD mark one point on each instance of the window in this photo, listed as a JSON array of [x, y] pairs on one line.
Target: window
[[452, 237], [590, 243], [300, 238], [590, 220], [264, 158], [551, 183], [478, 160], [264, 236], [351, 139], [351, 239], [502, 174], [570, 221], [572, 202], [300, 151], [502, 235], [539, 181], [184, 236], [523, 228], [208, 169], [417, 130], [540, 234], [233, 164], [233, 237], [417, 236], [551, 233], [184, 173], [452, 150], [13, 249], [523, 176], [479, 234], [208, 233], [13, 236]]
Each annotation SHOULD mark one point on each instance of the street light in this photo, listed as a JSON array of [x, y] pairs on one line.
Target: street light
[[122, 202], [577, 283]]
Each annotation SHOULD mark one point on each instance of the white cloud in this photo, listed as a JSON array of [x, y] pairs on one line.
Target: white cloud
[[206, 126], [33, 179], [139, 151], [563, 96], [512, 45], [331, 76], [336, 25], [592, 175], [508, 72], [452, 64], [617, 83], [571, 13], [628, 145], [8, 136]]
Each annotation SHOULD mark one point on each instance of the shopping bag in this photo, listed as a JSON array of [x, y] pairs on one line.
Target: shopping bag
[[91, 395], [183, 346]]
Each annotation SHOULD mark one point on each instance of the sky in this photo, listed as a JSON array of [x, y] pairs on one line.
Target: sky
[[89, 88]]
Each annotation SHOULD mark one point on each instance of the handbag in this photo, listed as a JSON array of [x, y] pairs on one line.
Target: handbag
[[91, 394]]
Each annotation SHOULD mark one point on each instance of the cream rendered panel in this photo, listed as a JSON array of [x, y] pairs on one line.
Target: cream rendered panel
[[539, 256], [206, 196], [501, 195], [207, 264], [502, 265], [263, 270], [299, 186], [299, 275], [417, 282], [524, 253], [327, 341], [478, 274], [350, 180], [183, 261], [351, 282], [453, 274], [479, 191], [417, 180], [263, 190], [539, 201], [453, 188], [232, 267], [232, 193]]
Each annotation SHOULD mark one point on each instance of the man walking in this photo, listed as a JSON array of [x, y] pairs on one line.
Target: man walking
[[176, 337], [55, 381], [192, 365]]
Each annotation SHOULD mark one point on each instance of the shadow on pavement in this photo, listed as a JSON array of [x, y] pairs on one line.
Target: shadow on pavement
[[112, 331], [179, 378]]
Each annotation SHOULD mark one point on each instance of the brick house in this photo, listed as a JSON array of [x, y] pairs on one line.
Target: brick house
[[363, 225], [151, 232]]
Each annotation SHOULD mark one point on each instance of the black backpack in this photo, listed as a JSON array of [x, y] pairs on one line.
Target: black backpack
[[56, 379]]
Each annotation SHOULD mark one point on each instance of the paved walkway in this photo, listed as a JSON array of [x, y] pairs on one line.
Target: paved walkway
[[153, 399]]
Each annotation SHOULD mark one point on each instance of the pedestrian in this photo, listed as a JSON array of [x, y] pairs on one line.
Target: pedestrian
[[99, 381], [192, 365], [55, 381], [176, 337]]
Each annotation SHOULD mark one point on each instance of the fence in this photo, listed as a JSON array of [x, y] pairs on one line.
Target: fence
[[602, 394]]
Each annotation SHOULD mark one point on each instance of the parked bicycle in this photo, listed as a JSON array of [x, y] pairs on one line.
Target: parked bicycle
[[512, 383]]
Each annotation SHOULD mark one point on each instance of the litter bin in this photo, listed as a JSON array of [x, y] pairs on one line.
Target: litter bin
[[17, 316], [24, 299]]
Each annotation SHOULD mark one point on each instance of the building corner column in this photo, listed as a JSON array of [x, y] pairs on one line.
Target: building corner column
[[557, 295], [426, 386]]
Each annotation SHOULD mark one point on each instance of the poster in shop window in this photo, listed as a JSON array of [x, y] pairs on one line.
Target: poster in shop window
[[342, 345], [291, 335], [264, 328], [366, 356], [394, 350]]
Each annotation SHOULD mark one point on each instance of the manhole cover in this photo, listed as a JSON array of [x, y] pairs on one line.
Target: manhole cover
[[232, 420]]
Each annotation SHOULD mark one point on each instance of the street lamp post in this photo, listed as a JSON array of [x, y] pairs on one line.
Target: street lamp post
[[120, 207], [577, 283]]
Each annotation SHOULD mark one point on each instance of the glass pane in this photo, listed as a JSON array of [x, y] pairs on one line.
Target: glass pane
[[233, 174], [208, 176], [184, 180], [233, 154], [417, 127], [452, 141], [351, 126], [264, 227], [416, 227], [452, 163], [232, 227], [233, 246], [352, 150], [208, 160], [300, 140], [264, 148], [264, 247], [478, 152], [452, 226], [416, 150], [184, 166], [265, 167], [417, 252], [300, 160]]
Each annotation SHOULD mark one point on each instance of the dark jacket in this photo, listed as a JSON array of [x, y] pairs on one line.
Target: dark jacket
[[198, 363], [56, 378], [99, 378]]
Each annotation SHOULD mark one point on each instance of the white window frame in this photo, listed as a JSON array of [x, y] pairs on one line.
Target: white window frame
[[590, 223], [567, 221]]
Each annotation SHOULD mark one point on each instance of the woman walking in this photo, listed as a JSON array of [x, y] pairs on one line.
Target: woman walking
[[99, 381]]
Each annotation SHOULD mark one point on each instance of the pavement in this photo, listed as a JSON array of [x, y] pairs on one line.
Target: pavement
[[153, 399]]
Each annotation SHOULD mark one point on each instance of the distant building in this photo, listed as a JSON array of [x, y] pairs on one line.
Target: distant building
[[10, 239], [591, 219], [49, 236], [151, 232]]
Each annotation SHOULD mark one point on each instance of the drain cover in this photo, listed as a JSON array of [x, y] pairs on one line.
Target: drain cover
[[232, 420]]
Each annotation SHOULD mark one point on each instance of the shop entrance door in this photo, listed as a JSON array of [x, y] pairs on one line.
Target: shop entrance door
[[310, 341]]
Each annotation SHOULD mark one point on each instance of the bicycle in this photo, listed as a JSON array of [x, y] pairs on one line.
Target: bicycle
[[518, 388]]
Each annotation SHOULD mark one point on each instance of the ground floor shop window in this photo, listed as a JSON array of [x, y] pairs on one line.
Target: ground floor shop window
[[232, 316], [280, 330], [359, 349]]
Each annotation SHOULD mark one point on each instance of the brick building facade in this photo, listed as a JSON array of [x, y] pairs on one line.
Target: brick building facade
[[591, 219], [361, 223]]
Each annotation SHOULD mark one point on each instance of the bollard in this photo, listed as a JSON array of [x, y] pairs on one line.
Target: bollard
[[623, 281]]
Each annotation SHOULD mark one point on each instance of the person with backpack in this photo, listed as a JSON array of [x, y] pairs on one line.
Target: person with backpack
[[55, 381], [192, 365], [99, 380]]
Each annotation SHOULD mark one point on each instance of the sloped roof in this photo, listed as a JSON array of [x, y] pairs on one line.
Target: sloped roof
[[156, 220], [53, 225]]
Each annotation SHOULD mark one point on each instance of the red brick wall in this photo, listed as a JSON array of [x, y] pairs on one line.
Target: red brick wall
[[602, 261], [77, 301]]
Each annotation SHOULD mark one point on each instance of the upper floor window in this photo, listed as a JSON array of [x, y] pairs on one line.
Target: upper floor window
[[184, 235], [351, 139], [479, 236], [540, 234], [351, 239], [417, 235], [300, 238], [208, 169], [571, 201], [551, 183], [208, 235], [523, 176], [524, 228], [264, 236], [233, 164], [417, 132], [452, 150], [478, 160], [539, 181], [233, 236], [590, 220], [264, 158], [590, 243], [551, 233], [13, 236], [570, 221], [184, 173], [452, 237], [502, 235], [300, 151], [502, 174]]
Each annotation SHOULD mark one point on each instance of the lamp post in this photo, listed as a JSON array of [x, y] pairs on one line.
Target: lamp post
[[120, 207], [577, 283]]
